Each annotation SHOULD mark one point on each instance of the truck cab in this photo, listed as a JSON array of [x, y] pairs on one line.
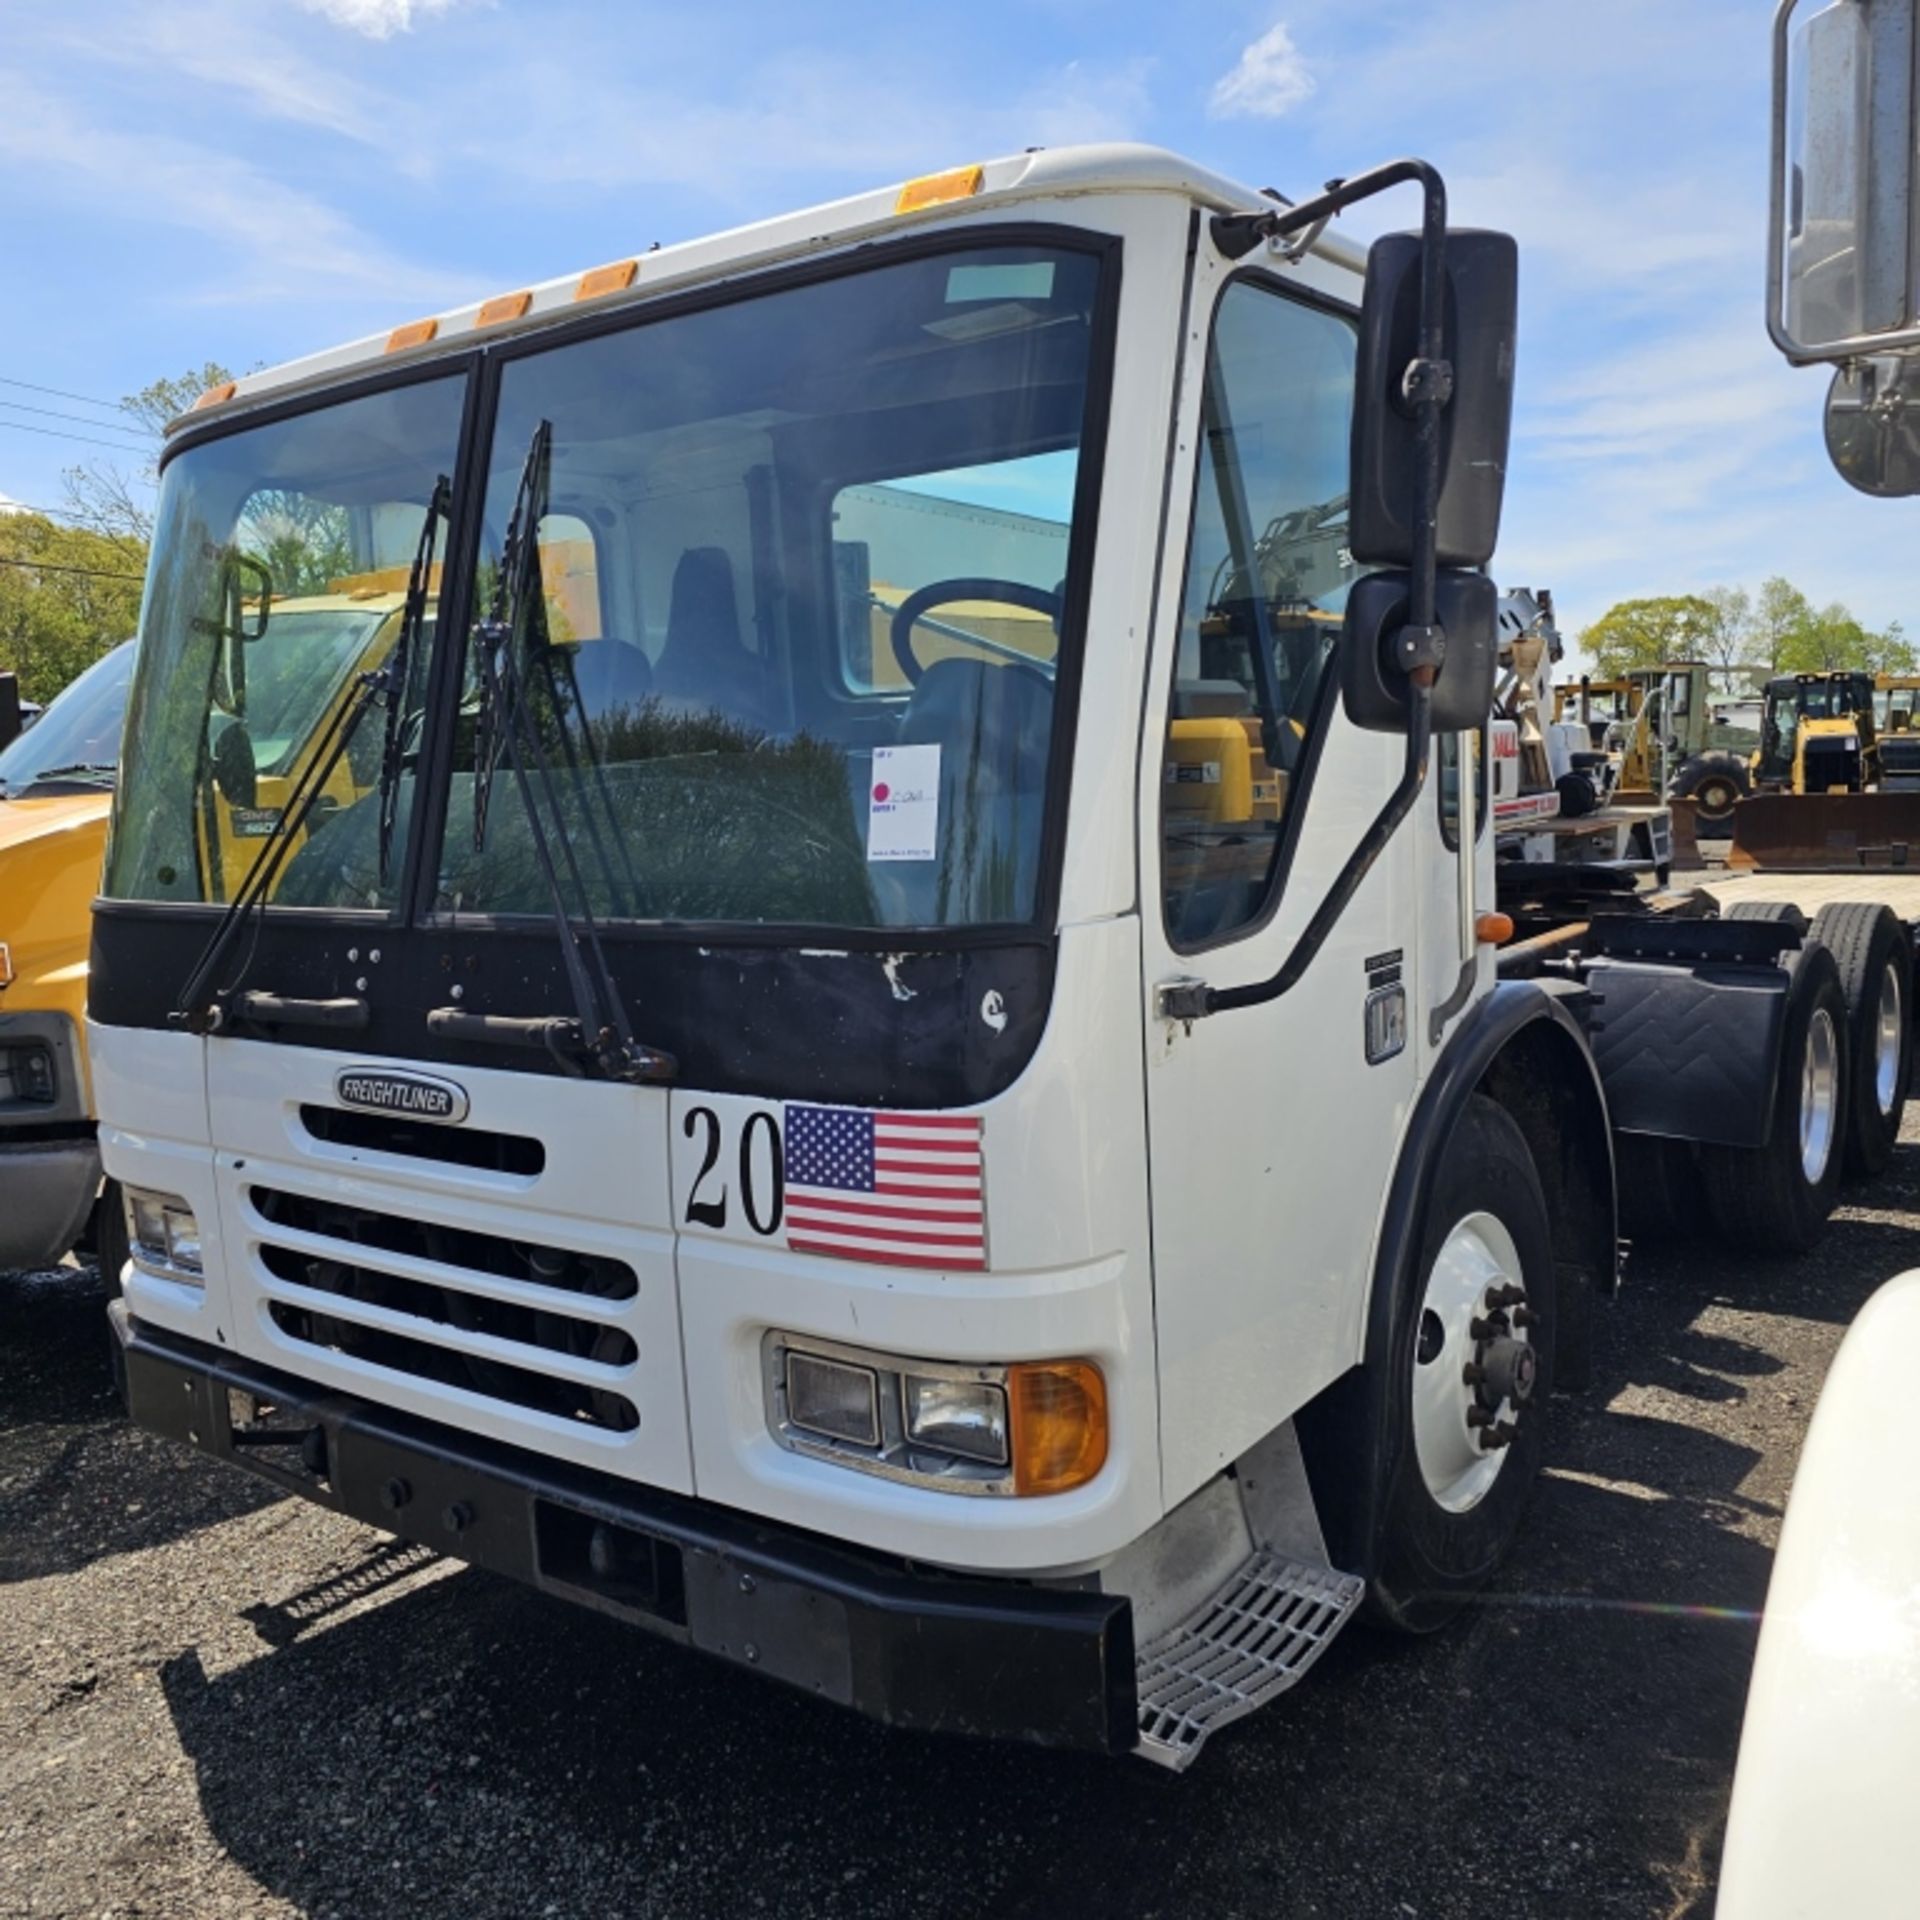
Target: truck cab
[[899, 1073]]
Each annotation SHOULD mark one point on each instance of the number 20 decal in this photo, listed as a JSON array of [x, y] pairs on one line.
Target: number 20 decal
[[762, 1173]]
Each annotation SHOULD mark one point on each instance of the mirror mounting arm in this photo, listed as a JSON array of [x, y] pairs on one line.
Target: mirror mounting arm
[[1427, 386]]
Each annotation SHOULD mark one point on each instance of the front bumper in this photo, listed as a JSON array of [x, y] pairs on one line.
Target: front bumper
[[908, 1647], [47, 1189]]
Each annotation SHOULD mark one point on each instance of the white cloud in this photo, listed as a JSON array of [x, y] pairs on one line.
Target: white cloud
[[377, 19], [1270, 79]]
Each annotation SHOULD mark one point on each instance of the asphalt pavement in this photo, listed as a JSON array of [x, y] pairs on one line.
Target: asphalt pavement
[[216, 1702]]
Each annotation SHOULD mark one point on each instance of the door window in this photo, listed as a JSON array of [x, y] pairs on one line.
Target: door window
[[1267, 577]]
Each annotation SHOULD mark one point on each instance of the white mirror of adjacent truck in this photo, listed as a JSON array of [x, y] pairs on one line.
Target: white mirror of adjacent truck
[[1842, 260]]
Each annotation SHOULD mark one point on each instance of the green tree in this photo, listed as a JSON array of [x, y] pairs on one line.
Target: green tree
[[109, 498], [1780, 610], [67, 594], [1829, 639], [1644, 633]]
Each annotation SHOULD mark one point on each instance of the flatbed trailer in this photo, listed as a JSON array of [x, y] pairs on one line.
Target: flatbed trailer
[[1811, 891]]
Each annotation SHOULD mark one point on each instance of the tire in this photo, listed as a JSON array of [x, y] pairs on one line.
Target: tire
[[1658, 1187], [1577, 797], [1433, 1550], [1767, 910], [1776, 1198], [111, 1250], [1872, 951], [1716, 782]]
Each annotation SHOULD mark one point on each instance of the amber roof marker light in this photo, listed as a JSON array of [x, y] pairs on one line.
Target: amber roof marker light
[[615, 277], [416, 333], [502, 308], [936, 189]]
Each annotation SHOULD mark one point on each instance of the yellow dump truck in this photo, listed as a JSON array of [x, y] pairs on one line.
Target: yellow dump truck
[[56, 786]]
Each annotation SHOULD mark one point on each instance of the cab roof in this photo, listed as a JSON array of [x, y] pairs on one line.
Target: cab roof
[[934, 199]]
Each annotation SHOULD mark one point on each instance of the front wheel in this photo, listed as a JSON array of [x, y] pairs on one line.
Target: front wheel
[[1470, 1370]]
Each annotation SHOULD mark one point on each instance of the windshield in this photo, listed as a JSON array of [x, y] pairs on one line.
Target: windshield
[[76, 742], [279, 565], [803, 571]]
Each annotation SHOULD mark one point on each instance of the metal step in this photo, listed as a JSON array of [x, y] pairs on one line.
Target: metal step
[[1267, 1624]]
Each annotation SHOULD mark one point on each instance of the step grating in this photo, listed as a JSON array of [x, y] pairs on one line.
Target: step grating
[[1253, 1639]]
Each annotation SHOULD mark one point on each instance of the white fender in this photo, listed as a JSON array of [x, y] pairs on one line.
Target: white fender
[[1824, 1817]]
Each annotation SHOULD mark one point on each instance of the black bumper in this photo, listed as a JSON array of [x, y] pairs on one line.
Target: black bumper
[[909, 1648]]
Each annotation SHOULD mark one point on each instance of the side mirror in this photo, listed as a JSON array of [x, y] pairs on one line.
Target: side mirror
[[1373, 683], [1841, 253], [234, 771], [1480, 303], [1873, 425]]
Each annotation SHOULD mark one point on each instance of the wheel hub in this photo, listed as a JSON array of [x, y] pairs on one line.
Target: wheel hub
[[1889, 1050], [1475, 1365], [1819, 1096]]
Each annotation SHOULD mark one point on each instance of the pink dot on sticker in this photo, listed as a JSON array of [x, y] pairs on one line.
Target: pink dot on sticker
[[881, 791]]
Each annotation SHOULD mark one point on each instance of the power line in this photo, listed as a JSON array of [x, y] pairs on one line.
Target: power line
[[47, 566], [79, 419], [54, 433], [60, 393]]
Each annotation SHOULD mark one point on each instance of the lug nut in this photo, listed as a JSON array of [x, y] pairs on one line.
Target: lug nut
[[1472, 1374], [1479, 1417], [1478, 1330], [1506, 1296], [1525, 1317]]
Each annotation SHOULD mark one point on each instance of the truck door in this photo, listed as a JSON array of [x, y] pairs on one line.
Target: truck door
[[1272, 1128]]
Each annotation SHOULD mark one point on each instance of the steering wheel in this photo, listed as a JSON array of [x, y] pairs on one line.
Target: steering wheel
[[1013, 593]]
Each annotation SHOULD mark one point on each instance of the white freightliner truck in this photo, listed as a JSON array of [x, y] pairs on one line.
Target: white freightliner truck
[[923, 1101]]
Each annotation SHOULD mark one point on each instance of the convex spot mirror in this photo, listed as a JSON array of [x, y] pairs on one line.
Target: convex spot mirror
[[235, 771], [1478, 314], [1375, 690], [1873, 426]]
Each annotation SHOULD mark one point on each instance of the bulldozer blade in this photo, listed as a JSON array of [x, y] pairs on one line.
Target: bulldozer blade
[[1825, 832]]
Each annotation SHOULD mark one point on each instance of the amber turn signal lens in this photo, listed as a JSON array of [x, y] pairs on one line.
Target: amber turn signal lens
[[1493, 929], [1059, 1414], [608, 279], [503, 306], [416, 333], [934, 189], [215, 395]]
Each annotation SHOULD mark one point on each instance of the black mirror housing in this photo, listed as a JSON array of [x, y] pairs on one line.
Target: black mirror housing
[[1374, 686], [1479, 319]]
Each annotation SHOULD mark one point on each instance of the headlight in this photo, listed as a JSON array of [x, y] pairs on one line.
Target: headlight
[[26, 1076], [164, 1235], [1030, 1427], [967, 1417]]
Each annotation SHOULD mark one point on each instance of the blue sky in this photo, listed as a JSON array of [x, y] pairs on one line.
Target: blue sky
[[246, 180]]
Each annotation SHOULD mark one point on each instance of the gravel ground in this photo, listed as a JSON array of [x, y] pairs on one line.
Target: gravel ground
[[216, 1702]]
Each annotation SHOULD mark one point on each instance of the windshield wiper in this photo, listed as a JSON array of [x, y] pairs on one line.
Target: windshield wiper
[[400, 666], [76, 770], [201, 1009], [505, 730]]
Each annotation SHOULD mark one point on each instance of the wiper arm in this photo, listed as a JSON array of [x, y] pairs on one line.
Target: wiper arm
[[202, 1008], [506, 731], [400, 665], [74, 769]]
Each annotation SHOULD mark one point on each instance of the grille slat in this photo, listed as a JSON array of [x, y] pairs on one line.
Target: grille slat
[[441, 1333], [437, 1273], [542, 1328]]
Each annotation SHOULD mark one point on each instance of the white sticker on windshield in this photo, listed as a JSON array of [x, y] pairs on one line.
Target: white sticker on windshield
[[903, 804]]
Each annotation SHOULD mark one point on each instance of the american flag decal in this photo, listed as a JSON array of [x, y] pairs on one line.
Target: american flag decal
[[903, 1188]]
